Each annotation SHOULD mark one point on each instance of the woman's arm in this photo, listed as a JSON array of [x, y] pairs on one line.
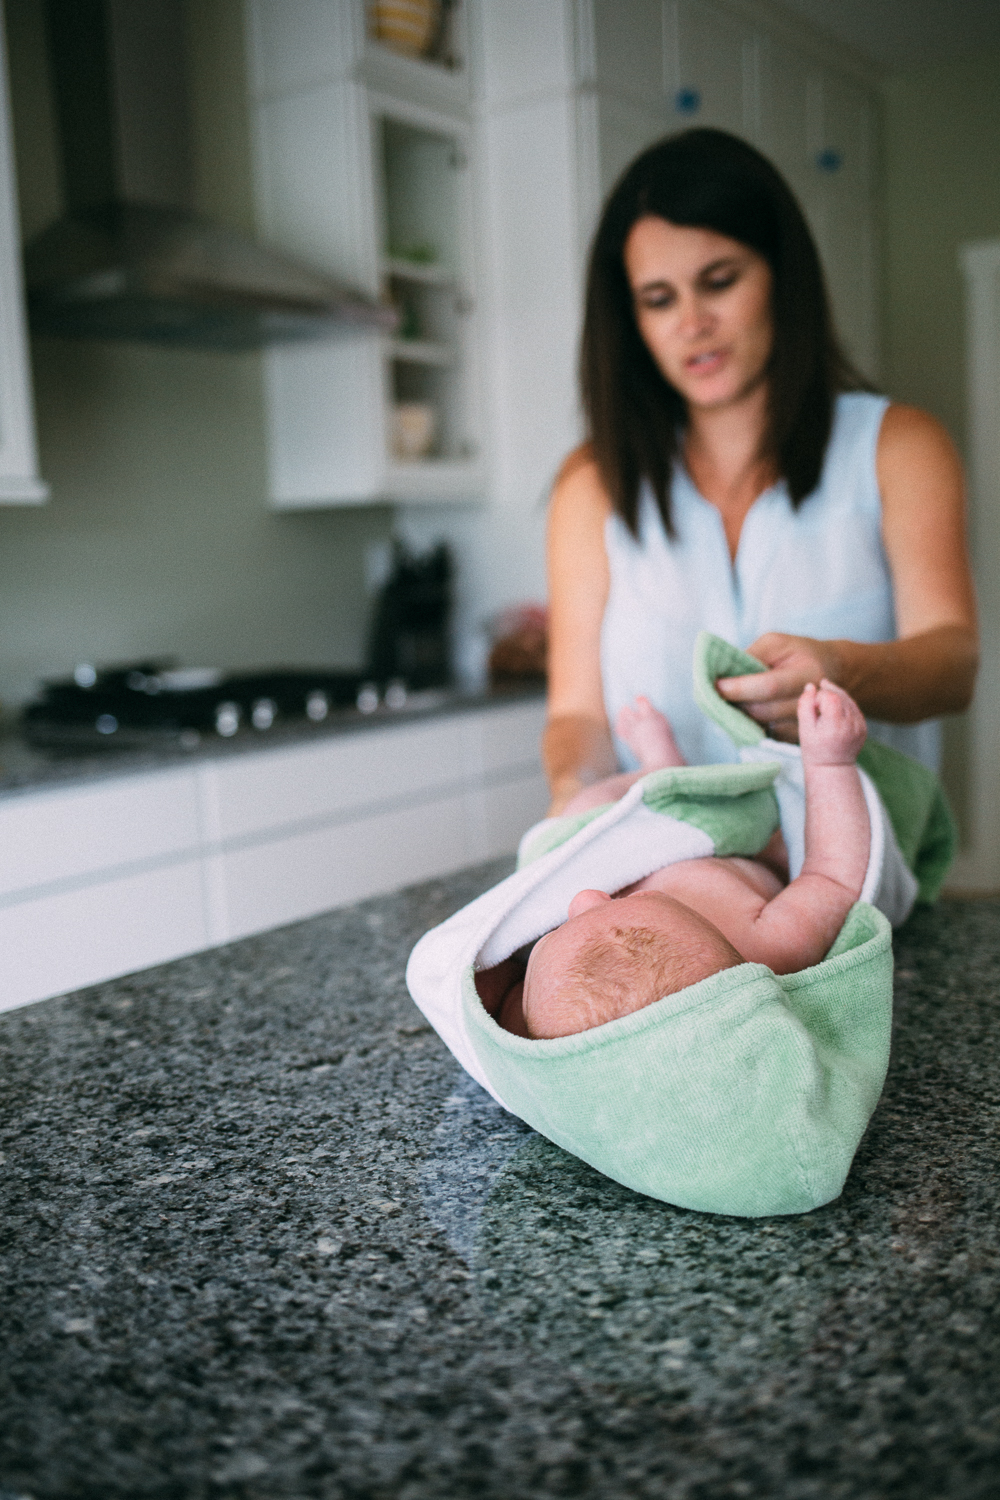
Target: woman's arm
[[576, 746], [930, 669]]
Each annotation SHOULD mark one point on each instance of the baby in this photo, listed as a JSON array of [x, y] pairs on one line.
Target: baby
[[617, 953]]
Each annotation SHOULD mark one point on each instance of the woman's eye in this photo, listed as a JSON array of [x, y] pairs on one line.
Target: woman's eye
[[723, 282], [656, 299]]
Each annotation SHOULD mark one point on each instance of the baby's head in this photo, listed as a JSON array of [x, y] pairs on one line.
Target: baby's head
[[616, 955]]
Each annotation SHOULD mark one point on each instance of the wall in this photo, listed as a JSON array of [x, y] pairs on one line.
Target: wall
[[156, 539], [942, 145]]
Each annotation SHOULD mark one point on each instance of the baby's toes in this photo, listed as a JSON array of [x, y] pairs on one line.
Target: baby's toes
[[625, 724]]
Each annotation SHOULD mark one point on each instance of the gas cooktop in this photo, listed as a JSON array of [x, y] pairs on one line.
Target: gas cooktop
[[147, 703]]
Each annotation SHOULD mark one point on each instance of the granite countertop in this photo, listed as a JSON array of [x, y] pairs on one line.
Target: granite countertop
[[25, 768], [261, 1238]]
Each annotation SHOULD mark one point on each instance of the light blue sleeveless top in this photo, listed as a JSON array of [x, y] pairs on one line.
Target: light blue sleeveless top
[[820, 571]]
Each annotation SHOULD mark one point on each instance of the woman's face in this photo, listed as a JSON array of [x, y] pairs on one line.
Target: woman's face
[[703, 307]]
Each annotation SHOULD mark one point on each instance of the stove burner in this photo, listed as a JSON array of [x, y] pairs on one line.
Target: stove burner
[[150, 703]]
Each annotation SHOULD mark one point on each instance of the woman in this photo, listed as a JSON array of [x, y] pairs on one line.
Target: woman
[[740, 477]]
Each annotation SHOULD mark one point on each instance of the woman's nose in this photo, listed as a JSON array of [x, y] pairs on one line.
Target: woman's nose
[[694, 318]]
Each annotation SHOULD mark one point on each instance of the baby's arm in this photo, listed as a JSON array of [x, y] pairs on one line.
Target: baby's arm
[[797, 927]]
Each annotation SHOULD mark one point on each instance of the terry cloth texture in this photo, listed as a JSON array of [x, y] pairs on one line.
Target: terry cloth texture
[[744, 1094]]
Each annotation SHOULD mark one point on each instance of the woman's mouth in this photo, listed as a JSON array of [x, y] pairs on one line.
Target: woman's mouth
[[706, 363]]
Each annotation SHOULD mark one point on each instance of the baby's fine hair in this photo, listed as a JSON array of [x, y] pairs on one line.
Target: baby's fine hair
[[624, 972]]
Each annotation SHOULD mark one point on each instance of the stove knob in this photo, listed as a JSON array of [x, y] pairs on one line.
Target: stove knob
[[367, 699], [106, 724], [317, 706], [263, 713], [395, 694], [227, 719]]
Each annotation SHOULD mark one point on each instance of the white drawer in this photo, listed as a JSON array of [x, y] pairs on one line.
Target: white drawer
[[73, 832], [509, 737], [81, 937], [303, 874], [278, 788], [500, 814]]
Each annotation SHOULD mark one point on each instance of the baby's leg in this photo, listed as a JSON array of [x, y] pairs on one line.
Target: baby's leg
[[648, 735], [610, 789]]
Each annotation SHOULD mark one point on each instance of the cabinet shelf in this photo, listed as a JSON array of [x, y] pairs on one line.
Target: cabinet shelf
[[425, 273], [420, 352]]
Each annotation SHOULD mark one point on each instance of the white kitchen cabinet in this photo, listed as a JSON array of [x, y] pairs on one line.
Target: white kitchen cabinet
[[364, 162], [627, 76], [711, 58], [19, 480], [820, 129], [977, 867], [99, 879]]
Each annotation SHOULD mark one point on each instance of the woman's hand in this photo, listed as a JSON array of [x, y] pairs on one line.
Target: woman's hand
[[772, 697]]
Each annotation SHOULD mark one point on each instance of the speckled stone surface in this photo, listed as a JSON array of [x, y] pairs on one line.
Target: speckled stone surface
[[260, 1238]]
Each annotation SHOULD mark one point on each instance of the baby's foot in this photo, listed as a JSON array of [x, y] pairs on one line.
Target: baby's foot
[[648, 735], [832, 727]]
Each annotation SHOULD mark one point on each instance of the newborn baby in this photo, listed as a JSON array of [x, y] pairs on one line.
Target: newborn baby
[[617, 953]]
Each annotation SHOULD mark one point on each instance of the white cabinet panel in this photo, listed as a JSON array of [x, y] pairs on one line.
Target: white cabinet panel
[[313, 180], [317, 453], [711, 68], [784, 104], [507, 738], [843, 126], [280, 788], [19, 481], [628, 48], [500, 814], [81, 937], [624, 130], [509, 68], [298, 877], [65, 835], [301, 42]]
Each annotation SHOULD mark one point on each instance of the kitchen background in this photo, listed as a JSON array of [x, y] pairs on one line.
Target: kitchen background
[[157, 537]]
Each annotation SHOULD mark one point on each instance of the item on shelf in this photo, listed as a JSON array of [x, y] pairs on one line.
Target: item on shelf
[[407, 26], [409, 320], [414, 425], [411, 629], [417, 255], [520, 644]]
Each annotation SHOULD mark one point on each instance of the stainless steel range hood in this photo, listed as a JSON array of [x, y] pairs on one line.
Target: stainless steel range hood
[[128, 260]]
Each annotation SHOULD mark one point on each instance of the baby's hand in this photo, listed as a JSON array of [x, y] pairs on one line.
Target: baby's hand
[[831, 725]]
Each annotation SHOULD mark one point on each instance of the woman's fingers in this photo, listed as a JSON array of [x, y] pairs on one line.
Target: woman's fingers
[[774, 711], [785, 683]]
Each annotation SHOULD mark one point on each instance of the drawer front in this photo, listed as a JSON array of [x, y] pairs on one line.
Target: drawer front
[[500, 814], [67, 834], [510, 737], [82, 937], [279, 788], [307, 873]]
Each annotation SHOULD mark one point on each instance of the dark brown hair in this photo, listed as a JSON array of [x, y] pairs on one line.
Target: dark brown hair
[[706, 179]]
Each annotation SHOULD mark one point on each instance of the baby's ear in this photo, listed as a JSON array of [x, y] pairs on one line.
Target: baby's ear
[[493, 984]]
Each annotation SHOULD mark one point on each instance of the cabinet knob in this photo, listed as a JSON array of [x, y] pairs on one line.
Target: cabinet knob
[[687, 101], [829, 161]]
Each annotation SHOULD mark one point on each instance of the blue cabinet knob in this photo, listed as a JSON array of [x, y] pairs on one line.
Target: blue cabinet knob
[[829, 161], [687, 101]]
